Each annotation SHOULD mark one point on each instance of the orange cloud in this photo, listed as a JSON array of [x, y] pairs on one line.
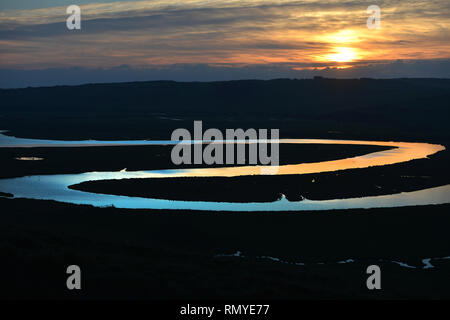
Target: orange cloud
[[220, 32]]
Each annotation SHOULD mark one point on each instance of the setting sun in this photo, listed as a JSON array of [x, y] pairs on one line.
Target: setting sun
[[342, 54]]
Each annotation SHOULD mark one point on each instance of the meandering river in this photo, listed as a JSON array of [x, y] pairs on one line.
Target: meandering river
[[55, 187]]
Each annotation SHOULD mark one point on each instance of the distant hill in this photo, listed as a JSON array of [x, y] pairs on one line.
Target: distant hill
[[409, 109]]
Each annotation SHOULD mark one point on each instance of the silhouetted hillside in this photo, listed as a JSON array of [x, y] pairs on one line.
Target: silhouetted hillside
[[366, 108]]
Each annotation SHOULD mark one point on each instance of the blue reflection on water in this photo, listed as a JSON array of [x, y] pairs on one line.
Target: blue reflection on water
[[55, 187]]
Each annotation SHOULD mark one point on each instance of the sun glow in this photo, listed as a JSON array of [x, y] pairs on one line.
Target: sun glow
[[342, 54], [341, 37]]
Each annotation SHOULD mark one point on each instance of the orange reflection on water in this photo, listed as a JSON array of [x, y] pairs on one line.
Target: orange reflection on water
[[402, 152]]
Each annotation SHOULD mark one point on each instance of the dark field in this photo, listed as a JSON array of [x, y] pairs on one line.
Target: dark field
[[77, 160], [400, 109], [140, 254]]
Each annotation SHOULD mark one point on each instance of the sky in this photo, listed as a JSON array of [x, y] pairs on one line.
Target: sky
[[201, 40]]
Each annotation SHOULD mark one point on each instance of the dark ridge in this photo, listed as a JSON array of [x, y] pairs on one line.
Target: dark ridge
[[406, 109]]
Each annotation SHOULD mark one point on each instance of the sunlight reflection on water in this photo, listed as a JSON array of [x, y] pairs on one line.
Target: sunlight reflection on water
[[55, 187]]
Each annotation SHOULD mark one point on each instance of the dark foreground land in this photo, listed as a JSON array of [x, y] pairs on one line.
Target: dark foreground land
[[170, 255], [159, 255]]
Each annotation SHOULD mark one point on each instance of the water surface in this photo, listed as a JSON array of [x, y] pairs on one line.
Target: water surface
[[55, 187]]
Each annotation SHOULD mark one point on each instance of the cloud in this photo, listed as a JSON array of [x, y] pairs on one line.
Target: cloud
[[150, 33]]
